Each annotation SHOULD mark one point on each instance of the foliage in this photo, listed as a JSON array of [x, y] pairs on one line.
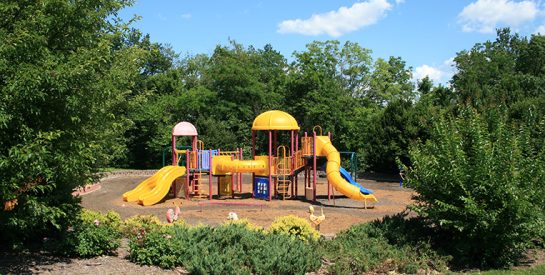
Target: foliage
[[294, 226], [394, 244], [501, 72], [62, 86], [229, 248], [476, 181], [246, 223], [92, 234], [136, 224], [390, 134]]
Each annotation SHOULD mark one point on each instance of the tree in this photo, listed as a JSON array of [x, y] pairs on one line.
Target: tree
[[246, 82], [390, 81], [62, 82], [424, 85], [325, 79], [487, 75]]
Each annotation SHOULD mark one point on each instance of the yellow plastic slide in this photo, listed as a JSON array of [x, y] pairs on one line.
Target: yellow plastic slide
[[155, 188], [325, 148]]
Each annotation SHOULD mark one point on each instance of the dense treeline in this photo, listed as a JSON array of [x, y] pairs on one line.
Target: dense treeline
[[336, 86], [82, 90]]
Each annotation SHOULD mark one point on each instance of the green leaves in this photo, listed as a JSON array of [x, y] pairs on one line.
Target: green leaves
[[62, 86], [394, 244], [230, 248], [476, 181]]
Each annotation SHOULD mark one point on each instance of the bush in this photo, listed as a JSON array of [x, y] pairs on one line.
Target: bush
[[381, 247], [136, 224], [92, 234], [480, 183], [247, 224], [226, 249], [294, 226]]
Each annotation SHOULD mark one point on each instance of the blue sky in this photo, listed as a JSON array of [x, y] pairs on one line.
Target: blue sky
[[427, 34]]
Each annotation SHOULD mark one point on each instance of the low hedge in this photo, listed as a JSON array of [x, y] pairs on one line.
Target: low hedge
[[229, 248]]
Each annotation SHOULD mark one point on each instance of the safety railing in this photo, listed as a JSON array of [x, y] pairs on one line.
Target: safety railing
[[281, 166], [307, 146], [229, 153], [200, 159], [299, 160]]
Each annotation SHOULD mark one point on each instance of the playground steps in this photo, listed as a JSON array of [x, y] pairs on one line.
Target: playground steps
[[283, 188], [283, 180], [197, 186]]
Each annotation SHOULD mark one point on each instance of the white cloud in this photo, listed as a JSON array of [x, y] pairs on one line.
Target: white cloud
[[433, 73], [400, 2], [540, 30], [339, 22], [186, 16], [438, 74], [485, 15]]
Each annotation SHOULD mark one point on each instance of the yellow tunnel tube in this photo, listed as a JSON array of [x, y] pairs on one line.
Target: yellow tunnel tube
[[224, 164], [155, 188], [325, 148]]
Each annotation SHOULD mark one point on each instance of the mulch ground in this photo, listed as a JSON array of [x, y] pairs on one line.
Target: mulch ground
[[340, 212]]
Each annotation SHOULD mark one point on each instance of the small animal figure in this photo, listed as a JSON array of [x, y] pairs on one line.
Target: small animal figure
[[316, 220], [232, 216], [172, 215]]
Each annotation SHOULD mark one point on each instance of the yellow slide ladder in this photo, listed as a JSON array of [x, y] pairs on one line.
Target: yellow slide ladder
[[283, 170]]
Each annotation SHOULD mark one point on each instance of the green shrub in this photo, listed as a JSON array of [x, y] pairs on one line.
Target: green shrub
[[480, 184], [92, 234], [227, 249], [294, 226], [111, 218], [247, 224], [138, 223], [367, 248]]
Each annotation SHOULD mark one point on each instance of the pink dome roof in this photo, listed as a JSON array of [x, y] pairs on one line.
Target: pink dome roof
[[184, 128]]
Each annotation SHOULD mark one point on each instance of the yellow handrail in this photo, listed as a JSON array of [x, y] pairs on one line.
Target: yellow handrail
[[224, 153], [283, 169]]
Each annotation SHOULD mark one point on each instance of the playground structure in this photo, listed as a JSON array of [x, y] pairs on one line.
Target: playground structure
[[274, 174]]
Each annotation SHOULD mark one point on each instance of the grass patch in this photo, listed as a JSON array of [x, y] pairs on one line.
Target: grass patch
[[536, 270]]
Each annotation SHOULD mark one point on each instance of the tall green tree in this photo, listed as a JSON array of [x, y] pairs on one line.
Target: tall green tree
[[247, 82], [487, 74], [324, 82], [62, 82], [390, 80]]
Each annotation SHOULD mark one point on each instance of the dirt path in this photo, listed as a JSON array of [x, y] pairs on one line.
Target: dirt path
[[43, 263]]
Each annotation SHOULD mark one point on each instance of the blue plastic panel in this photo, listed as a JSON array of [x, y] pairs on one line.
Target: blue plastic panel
[[261, 188]]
